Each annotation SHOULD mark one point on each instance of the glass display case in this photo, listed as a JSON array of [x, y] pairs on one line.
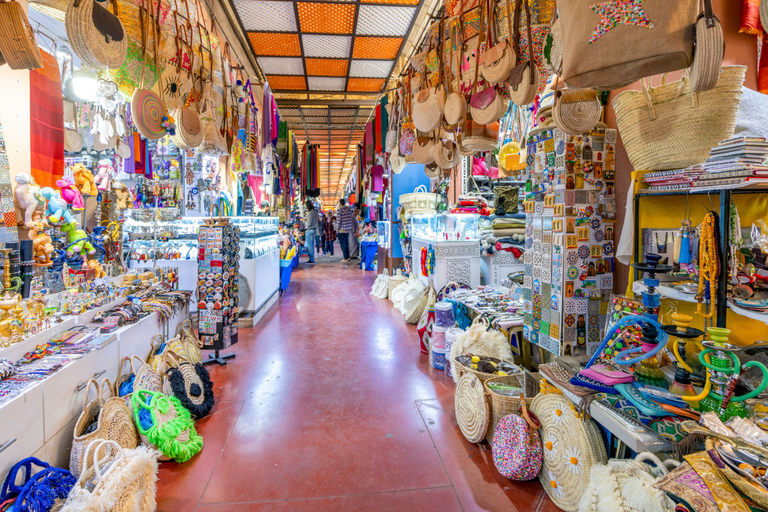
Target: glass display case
[[445, 227], [385, 233]]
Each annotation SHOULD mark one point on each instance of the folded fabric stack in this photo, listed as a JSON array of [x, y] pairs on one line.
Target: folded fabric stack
[[471, 204], [512, 225]]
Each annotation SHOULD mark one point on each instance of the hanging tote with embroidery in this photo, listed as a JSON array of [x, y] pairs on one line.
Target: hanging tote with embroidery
[[611, 44]]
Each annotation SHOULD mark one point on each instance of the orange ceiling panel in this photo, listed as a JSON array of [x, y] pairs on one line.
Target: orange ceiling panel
[[279, 45], [327, 67], [286, 83], [401, 2], [326, 18], [365, 84], [376, 47]]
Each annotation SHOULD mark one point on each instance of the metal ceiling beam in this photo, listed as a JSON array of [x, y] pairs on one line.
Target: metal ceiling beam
[[351, 134]]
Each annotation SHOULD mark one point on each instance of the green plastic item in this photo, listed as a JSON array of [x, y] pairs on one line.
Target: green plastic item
[[167, 424]]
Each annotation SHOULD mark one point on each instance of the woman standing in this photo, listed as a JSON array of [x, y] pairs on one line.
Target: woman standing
[[330, 232]]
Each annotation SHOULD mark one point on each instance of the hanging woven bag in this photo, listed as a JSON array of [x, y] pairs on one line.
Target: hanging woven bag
[[708, 50], [147, 108], [576, 111], [524, 77], [123, 480], [101, 420], [96, 35], [191, 384], [17, 40], [166, 424]]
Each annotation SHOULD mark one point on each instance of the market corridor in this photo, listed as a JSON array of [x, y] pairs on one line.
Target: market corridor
[[330, 406]]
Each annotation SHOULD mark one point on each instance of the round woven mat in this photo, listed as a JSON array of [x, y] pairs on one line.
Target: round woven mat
[[472, 412], [571, 447]]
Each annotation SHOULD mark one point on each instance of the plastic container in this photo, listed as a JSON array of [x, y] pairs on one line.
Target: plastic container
[[444, 314], [438, 337], [437, 357], [450, 336]]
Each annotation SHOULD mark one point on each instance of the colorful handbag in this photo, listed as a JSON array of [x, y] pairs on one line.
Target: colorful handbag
[[425, 327], [607, 375], [45, 490], [516, 446], [166, 424]]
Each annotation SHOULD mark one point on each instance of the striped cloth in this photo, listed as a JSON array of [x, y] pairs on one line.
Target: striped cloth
[[46, 112]]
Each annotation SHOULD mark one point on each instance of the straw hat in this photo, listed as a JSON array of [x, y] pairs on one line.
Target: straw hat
[[571, 447], [396, 162], [426, 113]]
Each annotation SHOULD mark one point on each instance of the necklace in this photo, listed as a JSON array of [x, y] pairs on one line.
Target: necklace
[[708, 266]]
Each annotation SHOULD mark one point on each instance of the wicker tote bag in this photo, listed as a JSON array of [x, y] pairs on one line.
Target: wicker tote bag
[[191, 384], [191, 342], [123, 480], [17, 41], [96, 35], [659, 33], [669, 127], [101, 420], [166, 424]]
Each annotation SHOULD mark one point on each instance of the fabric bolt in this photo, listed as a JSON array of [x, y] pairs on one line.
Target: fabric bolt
[[726, 497], [46, 113]]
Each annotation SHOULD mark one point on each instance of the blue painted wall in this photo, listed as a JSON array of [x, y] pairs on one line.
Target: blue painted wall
[[404, 183]]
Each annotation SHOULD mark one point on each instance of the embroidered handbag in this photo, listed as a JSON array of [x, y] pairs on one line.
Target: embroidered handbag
[[516, 445], [44, 491], [166, 424], [607, 375], [124, 480], [17, 41], [191, 384], [596, 39], [407, 139]]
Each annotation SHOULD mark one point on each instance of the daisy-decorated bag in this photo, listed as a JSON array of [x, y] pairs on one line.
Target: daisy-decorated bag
[[517, 446]]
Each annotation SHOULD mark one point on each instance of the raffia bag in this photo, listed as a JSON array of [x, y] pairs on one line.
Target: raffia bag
[[709, 50], [479, 137], [147, 107], [120, 481], [501, 405], [668, 127], [576, 111], [446, 154], [113, 422], [471, 407], [96, 35], [610, 58], [423, 150], [191, 384], [17, 41]]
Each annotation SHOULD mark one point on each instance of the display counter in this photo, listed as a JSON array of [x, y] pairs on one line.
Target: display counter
[[454, 240]]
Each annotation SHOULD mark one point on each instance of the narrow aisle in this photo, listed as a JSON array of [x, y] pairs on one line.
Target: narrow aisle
[[330, 406]]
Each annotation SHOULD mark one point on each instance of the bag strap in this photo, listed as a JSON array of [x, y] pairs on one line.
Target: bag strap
[[477, 52], [93, 449], [110, 388], [510, 34], [709, 14], [529, 417], [530, 41], [144, 43], [10, 487], [88, 385]]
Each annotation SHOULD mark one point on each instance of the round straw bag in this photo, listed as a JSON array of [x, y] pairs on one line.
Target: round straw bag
[[147, 108], [73, 142], [501, 405], [96, 35], [709, 50], [423, 150], [525, 92], [113, 422], [497, 62], [426, 114], [489, 113], [455, 108], [447, 154], [115, 479], [479, 137], [191, 384], [189, 129], [576, 111], [571, 447], [471, 408], [17, 40], [668, 127]]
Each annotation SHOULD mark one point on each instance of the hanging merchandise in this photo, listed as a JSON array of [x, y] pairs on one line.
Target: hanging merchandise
[[17, 40], [166, 424], [576, 111], [486, 106], [147, 108], [96, 35], [46, 127], [498, 60], [525, 76]]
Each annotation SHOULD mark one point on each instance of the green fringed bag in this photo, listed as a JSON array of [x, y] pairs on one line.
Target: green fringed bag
[[166, 424]]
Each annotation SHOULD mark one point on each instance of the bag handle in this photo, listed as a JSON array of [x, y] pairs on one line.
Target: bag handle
[[88, 385], [144, 43], [530, 42], [480, 41], [92, 451], [529, 417], [648, 456], [10, 487], [135, 369]]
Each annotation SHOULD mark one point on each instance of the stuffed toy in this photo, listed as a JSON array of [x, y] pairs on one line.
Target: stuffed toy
[[70, 193], [29, 200], [103, 178], [56, 208], [42, 245], [123, 196], [97, 268], [84, 180], [77, 240]]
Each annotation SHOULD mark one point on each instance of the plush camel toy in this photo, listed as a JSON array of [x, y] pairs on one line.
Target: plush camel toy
[[84, 180], [29, 201], [42, 245], [56, 208], [77, 240], [70, 193], [123, 196], [97, 268], [103, 178]]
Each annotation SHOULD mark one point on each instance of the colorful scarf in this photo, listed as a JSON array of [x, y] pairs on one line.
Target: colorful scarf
[[46, 127], [750, 24]]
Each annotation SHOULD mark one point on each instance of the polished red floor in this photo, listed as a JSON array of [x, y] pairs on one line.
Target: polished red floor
[[330, 406]]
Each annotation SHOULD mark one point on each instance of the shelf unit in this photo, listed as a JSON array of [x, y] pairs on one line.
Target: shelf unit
[[723, 251]]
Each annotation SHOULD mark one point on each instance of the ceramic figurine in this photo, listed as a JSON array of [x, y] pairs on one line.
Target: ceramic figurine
[[56, 208], [70, 193], [42, 245], [123, 195], [84, 180], [28, 198], [103, 178], [78, 242]]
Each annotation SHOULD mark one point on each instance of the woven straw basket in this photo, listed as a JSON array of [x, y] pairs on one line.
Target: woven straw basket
[[571, 447], [471, 406], [17, 41], [668, 127], [419, 201], [501, 405]]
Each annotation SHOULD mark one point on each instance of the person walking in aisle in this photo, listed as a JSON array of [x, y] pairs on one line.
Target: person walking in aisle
[[321, 247], [312, 227], [344, 225], [330, 232], [354, 244]]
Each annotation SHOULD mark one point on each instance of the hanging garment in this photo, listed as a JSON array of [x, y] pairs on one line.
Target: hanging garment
[[46, 127]]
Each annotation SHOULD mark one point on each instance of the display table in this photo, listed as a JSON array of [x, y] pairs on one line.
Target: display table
[[44, 415], [456, 261], [368, 253]]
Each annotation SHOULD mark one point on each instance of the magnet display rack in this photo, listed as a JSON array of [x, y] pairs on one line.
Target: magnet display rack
[[723, 250]]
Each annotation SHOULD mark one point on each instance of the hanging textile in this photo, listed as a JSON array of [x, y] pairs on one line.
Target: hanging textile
[[377, 130], [750, 24], [46, 127], [8, 228], [383, 125], [377, 178], [266, 117], [369, 147]]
